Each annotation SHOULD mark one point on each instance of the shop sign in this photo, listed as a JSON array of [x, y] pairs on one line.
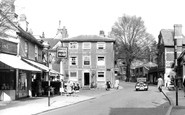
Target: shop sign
[[62, 52], [8, 47]]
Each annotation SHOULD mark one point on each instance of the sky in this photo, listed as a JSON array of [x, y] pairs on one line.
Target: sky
[[88, 17]]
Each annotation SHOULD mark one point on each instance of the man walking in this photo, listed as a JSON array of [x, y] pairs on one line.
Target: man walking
[[159, 83]]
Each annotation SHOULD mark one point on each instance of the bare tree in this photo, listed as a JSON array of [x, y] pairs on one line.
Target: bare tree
[[132, 40], [7, 17]]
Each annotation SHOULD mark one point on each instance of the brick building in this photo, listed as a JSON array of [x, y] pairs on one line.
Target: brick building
[[90, 60], [166, 49]]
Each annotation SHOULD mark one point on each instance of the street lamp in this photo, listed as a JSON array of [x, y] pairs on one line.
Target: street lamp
[[48, 59], [175, 67]]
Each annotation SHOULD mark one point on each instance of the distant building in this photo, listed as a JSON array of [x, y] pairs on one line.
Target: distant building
[[90, 60]]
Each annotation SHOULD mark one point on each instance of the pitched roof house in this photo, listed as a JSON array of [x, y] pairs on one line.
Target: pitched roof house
[[166, 49]]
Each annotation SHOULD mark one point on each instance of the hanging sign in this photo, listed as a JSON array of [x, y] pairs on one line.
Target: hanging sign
[[62, 52]]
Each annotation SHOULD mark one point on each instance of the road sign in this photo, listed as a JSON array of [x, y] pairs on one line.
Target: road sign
[[62, 52]]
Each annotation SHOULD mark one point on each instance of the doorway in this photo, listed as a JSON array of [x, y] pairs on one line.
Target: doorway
[[86, 78]]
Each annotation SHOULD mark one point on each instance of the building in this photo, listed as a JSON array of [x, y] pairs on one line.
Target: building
[[53, 44], [166, 49], [16, 74], [90, 60]]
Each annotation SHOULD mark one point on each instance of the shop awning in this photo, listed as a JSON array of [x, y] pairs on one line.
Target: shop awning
[[54, 73], [16, 62], [39, 65]]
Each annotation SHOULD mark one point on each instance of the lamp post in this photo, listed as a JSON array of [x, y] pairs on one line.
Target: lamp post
[[46, 48], [49, 88], [175, 66]]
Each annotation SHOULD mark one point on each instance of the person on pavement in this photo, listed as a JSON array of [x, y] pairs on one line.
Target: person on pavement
[[159, 83], [184, 86], [116, 84]]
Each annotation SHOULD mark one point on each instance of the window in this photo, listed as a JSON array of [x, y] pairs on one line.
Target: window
[[73, 74], [73, 60], [101, 76], [36, 53], [26, 49], [86, 45], [86, 60], [73, 45], [100, 45], [101, 61]]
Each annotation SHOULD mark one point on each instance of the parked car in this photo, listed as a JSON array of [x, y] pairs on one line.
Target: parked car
[[141, 86]]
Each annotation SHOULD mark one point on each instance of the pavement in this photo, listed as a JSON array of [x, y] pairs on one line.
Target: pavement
[[174, 109], [36, 105]]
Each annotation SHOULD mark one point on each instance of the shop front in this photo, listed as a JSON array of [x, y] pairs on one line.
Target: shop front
[[15, 77]]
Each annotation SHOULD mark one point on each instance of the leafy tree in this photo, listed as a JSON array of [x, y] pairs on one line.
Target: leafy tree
[[132, 40], [7, 17]]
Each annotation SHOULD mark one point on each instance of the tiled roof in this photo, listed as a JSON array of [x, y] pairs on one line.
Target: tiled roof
[[52, 42], [88, 38], [167, 37], [28, 36]]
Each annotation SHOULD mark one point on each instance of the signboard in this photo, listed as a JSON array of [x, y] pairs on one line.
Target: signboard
[[8, 47], [62, 52]]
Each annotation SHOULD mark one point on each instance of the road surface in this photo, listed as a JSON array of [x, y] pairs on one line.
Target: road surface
[[125, 101]]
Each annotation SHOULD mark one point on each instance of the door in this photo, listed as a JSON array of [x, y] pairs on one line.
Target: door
[[86, 78]]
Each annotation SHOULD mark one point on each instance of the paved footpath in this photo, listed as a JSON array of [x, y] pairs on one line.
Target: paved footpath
[[180, 109], [35, 105]]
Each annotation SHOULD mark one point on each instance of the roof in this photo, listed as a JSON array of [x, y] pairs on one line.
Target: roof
[[52, 42], [88, 38], [28, 36], [167, 37]]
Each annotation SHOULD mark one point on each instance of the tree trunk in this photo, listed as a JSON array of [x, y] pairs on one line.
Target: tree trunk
[[128, 71]]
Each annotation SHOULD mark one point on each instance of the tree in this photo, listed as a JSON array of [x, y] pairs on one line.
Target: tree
[[7, 17], [132, 40]]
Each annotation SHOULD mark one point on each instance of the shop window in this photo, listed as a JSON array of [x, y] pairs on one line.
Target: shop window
[[7, 80], [22, 81]]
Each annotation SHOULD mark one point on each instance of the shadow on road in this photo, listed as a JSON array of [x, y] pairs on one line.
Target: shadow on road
[[160, 110]]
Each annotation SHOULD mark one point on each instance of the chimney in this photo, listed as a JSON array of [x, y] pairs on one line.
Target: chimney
[[177, 31], [178, 36], [102, 34], [22, 22]]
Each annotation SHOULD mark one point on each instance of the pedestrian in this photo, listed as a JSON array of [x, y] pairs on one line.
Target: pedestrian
[[62, 87], [159, 83], [184, 86], [168, 81], [108, 85], [116, 84]]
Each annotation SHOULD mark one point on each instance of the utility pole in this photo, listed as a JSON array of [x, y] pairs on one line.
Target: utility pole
[[175, 66]]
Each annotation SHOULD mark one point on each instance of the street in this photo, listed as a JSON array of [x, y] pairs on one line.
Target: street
[[125, 101]]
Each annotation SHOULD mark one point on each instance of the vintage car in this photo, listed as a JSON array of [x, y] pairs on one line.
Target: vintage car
[[141, 86]]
